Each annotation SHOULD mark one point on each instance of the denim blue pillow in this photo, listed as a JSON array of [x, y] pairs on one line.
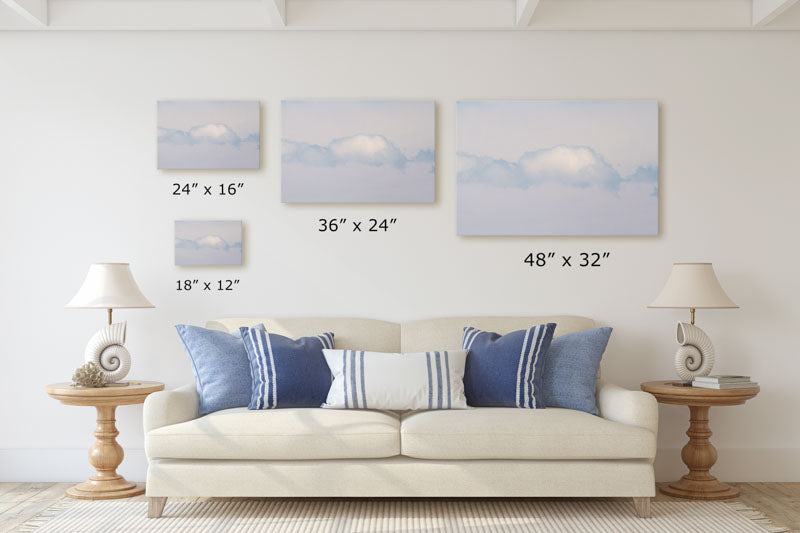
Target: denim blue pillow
[[286, 372], [220, 365], [506, 371], [571, 369]]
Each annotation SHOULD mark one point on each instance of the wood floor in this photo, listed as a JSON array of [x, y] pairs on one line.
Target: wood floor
[[21, 501]]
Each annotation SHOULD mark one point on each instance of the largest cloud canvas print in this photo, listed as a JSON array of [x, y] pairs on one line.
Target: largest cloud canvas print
[[358, 151], [209, 135], [557, 167]]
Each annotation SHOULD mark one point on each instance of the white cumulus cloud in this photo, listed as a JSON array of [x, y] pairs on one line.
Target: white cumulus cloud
[[559, 159], [212, 242], [577, 166], [216, 133], [367, 149]]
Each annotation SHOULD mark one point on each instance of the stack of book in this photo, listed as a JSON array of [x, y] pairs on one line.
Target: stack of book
[[723, 382]]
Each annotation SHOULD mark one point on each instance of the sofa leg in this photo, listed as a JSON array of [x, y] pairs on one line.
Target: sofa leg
[[642, 506], [155, 506]]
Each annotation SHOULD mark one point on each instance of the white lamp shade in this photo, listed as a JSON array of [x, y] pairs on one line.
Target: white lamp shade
[[109, 286], [693, 286]]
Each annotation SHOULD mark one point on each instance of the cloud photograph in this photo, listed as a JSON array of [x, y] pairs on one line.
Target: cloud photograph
[[208, 243], [358, 151], [209, 135], [557, 167]]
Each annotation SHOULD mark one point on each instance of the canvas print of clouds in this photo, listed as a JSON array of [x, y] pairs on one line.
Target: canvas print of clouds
[[208, 135], [208, 242], [557, 167], [358, 151]]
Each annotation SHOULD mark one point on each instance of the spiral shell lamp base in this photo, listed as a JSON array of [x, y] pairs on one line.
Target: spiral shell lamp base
[[106, 349], [695, 357]]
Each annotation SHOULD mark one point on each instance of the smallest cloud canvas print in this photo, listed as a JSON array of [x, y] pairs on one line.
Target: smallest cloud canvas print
[[545, 167], [209, 135], [208, 242], [358, 151]]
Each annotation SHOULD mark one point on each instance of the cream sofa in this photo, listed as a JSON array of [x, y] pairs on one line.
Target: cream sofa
[[481, 452]]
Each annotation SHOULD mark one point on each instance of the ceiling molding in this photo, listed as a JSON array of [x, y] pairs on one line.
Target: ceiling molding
[[285, 15], [765, 11], [400, 14], [34, 11]]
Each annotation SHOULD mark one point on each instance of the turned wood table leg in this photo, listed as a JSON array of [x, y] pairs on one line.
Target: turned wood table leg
[[699, 455], [105, 455]]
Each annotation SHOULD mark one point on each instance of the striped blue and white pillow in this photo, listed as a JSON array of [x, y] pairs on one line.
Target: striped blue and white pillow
[[376, 380], [506, 371], [286, 372]]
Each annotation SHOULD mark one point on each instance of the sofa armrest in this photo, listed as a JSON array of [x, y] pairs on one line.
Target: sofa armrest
[[169, 407], [635, 408]]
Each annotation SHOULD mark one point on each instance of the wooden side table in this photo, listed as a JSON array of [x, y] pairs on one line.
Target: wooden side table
[[698, 454], [106, 454]]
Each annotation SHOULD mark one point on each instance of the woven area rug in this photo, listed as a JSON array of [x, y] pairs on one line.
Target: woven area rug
[[400, 515]]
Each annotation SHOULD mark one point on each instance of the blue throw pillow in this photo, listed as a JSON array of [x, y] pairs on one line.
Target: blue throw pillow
[[286, 372], [220, 365], [506, 371], [571, 369]]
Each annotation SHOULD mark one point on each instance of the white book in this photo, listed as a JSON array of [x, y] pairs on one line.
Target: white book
[[721, 378], [719, 386]]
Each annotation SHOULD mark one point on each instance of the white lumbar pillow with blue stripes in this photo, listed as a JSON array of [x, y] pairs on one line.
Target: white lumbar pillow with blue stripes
[[411, 381]]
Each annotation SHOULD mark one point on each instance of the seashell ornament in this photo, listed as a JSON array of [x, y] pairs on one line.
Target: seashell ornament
[[695, 357], [106, 349]]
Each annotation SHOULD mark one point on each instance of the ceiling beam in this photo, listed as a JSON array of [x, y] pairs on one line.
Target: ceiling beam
[[525, 9], [765, 11], [34, 11], [533, 15], [277, 11]]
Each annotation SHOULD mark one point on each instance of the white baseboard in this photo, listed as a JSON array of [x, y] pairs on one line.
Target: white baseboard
[[72, 465], [737, 464], [69, 464]]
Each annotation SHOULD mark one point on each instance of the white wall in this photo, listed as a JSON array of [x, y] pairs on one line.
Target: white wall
[[79, 184]]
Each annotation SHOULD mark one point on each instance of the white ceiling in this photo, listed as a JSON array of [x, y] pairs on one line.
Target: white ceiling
[[399, 14]]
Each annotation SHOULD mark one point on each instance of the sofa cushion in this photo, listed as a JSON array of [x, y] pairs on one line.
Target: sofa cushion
[[510, 433], [448, 333], [279, 434], [351, 333]]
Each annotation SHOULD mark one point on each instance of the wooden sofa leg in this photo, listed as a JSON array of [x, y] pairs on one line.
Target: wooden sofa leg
[[155, 506], [642, 506]]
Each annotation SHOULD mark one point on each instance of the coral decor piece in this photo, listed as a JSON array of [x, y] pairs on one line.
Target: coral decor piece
[[89, 375]]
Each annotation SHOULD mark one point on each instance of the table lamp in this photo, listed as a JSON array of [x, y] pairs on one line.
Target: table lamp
[[693, 286], [109, 286]]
